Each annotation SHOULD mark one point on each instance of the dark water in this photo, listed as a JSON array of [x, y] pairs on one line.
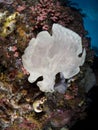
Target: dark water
[[90, 8], [91, 120]]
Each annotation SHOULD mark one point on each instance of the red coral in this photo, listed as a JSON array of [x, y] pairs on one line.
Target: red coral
[[47, 12], [61, 118], [28, 125], [21, 8]]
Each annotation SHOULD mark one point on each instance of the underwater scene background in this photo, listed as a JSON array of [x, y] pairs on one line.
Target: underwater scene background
[[90, 9], [48, 69]]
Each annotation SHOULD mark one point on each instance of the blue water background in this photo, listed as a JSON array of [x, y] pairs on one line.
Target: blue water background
[[90, 8]]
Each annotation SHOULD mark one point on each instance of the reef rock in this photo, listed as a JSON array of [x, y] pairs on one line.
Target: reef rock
[[48, 55]]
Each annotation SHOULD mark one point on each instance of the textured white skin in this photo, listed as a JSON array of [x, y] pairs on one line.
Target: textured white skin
[[47, 55]]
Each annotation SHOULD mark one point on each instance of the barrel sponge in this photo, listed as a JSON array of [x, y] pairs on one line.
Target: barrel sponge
[[49, 54]]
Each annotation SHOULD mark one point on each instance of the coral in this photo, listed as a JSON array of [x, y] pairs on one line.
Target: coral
[[19, 99], [89, 80], [25, 125], [6, 1], [61, 118], [3, 16], [48, 55], [9, 24], [45, 13]]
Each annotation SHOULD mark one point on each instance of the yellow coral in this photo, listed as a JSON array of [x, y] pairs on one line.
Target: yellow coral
[[21, 32], [8, 28], [9, 24], [12, 17], [3, 15]]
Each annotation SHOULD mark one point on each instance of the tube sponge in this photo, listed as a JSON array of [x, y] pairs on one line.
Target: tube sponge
[[47, 55]]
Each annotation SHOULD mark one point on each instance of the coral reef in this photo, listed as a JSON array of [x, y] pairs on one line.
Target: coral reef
[[9, 24], [20, 99], [6, 1]]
